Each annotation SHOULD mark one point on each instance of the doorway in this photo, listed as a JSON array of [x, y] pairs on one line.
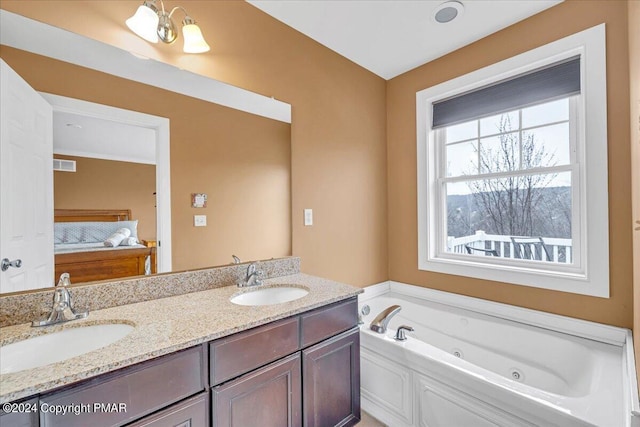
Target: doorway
[[160, 131]]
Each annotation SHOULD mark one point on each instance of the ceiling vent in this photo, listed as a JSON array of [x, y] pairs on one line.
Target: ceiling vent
[[61, 165], [448, 11]]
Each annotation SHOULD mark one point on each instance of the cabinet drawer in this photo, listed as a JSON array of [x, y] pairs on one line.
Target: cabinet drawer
[[192, 412], [134, 392], [235, 355], [328, 321]]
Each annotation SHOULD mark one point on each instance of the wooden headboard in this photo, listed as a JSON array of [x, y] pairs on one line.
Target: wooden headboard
[[106, 264], [86, 215]]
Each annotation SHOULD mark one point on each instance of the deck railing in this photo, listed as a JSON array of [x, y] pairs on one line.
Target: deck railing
[[559, 250]]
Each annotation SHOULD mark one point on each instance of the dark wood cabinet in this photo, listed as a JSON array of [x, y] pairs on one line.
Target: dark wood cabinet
[[193, 412], [331, 381], [20, 414], [237, 354], [267, 397], [329, 394], [300, 371], [326, 322], [129, 394]]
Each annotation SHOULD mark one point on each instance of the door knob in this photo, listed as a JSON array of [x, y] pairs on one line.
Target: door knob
[[5, 264]]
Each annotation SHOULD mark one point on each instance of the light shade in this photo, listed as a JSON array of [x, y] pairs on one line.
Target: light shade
[[193, 40], [145, 23]]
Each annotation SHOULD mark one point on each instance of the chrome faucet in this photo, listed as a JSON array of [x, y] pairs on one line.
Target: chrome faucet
[[252, 277], [381, 321], [62, 310], [400, 335]]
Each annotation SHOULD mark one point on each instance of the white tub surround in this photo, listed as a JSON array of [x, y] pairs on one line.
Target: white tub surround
[[479, 363]]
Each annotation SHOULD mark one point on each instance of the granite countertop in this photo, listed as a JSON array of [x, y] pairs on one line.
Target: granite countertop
[[162, 326]]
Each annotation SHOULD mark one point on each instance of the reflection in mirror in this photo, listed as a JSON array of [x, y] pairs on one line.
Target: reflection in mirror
[[240, 160], [105, 188]]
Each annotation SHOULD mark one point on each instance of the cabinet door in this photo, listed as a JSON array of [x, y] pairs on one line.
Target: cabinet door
[[267, 397], [331, 381]]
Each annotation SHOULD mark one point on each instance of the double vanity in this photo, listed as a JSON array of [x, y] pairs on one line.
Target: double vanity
[[285, 353]]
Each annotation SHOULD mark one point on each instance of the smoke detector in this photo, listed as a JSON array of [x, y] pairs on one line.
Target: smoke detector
[[447, 12]]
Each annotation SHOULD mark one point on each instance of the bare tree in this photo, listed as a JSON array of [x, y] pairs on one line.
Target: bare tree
[[510, 204]]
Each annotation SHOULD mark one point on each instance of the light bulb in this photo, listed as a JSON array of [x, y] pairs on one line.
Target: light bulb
[[193, 40], [145, 23]]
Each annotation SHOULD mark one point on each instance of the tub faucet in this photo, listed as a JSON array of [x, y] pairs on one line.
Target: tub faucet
[[252, 278], [62, 310], [381, 321], [400, 335]]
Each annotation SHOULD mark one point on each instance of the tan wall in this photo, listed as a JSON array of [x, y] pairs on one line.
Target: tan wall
[[552, 24], [634, 81], [240, 160], [338, 153], [109, 184]]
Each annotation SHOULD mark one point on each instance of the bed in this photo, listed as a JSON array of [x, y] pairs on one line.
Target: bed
[[79, 249]]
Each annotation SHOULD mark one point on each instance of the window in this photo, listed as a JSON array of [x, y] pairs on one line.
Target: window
[[512, 171]]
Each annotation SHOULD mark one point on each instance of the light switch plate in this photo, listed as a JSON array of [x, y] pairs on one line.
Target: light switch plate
[[308, 217], [199, 220]]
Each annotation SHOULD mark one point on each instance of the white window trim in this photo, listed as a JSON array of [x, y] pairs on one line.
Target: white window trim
[[591, 275]]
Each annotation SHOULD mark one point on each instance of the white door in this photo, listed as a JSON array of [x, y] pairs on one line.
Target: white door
[[26, 184]]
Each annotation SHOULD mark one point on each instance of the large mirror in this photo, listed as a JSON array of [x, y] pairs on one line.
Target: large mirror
[[240, 160]]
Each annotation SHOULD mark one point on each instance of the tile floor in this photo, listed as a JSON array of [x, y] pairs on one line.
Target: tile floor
[[369, 421]]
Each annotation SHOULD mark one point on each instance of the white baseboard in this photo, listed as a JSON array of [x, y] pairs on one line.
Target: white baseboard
[[373, 291]]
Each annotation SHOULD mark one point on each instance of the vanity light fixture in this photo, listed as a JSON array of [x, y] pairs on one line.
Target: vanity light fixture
[[153, 24]]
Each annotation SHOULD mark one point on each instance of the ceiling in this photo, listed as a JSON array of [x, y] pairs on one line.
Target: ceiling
[[387, 37], [86, 136], [390, 37]]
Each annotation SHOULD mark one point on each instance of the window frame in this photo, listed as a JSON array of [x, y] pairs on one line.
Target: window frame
[[573, 167], [589, 273]]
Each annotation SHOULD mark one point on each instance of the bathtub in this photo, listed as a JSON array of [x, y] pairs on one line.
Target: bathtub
[[476, 363]]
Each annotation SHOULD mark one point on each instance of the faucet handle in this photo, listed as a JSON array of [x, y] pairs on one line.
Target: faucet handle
[[65, 280], [400, 336], [259, 275], [62, 309], [364, 311]]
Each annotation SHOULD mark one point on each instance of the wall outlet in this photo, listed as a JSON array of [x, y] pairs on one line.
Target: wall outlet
[[308, 217], [199, 220]]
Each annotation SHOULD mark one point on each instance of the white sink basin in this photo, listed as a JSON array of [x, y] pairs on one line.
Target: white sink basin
[[268, 296], [58, 346]]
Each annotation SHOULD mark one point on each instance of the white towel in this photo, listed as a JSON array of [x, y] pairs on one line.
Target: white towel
[[129, 241], [116, 238]]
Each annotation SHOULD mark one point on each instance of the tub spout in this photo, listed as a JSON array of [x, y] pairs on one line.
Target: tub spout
[[381, 321]]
